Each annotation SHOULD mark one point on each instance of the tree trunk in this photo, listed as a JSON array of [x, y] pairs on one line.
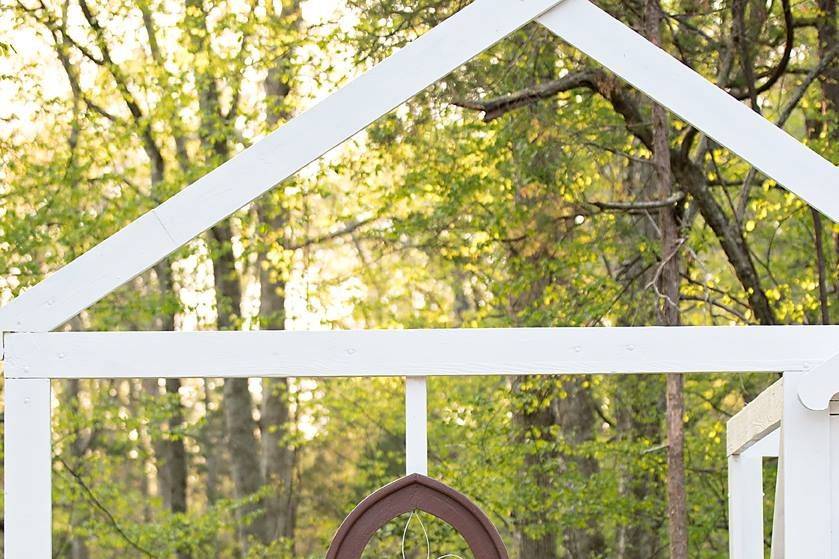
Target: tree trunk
[[538, 535], [639, 399], [238, 403], [576, 415], [278, 456], [170, 450], [829, 81], [668, 297]]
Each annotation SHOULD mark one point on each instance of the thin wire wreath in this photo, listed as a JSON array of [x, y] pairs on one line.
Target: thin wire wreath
[[427, 539]]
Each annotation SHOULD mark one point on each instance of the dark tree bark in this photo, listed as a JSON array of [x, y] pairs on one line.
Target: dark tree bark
[[668, 296], [829, 80]]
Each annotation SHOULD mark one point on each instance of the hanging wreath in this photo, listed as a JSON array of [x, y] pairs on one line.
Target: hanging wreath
[[408, 495]]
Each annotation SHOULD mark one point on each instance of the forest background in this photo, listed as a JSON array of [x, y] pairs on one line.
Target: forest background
[[529, 188]]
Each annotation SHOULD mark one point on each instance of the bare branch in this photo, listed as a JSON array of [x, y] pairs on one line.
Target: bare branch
[[494, 108], [348, 229], [643, 206]]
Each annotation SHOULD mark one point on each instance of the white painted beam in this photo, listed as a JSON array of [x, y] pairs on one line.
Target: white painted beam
[[745, 496], [820, 385], [267, 163], [834, 477], [417, 352], [778, 523], [759, 417], [697, 101], [806, 476], [751, 435], [27, 470], [416, 426], [745, 506]]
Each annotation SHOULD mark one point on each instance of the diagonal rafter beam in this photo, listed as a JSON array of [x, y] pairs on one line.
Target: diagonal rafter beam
[[261, 167], [699, 102]]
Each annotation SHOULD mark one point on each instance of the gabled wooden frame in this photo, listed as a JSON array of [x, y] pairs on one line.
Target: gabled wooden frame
[[34, 356]]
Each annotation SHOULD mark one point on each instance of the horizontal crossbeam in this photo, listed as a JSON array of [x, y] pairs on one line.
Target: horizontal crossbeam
[[418, 352]]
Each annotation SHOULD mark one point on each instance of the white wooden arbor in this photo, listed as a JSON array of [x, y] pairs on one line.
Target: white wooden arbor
[[33, 355]]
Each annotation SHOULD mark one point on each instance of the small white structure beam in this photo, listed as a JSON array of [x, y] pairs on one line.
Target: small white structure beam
[[416, 425], [745, 506], [418, 352], [834, 476], [28, 469], [698, 101]]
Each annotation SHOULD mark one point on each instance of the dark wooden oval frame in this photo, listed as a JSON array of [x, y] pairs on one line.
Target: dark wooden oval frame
[[417, 492]]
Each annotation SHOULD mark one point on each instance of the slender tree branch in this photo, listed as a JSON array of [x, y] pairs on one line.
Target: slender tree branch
[[104, 510], [643, 206], [348, 229]]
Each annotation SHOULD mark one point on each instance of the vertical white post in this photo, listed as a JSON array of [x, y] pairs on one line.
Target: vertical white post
[[805, 452], [745, 505], [777, 549], [416, 425], [834, 476], [28, 469], [745, 497]]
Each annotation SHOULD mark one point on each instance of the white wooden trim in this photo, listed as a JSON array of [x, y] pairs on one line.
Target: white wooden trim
[[751, 435], [777, 547], [417, 352], [267, 163], [699, 102], [27, 470], [745, 506], [759, 417], [834, 477], [416, 425], [820, 385], [806, 476]]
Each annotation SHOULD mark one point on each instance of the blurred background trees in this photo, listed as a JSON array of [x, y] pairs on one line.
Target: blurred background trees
[[529, 188]]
